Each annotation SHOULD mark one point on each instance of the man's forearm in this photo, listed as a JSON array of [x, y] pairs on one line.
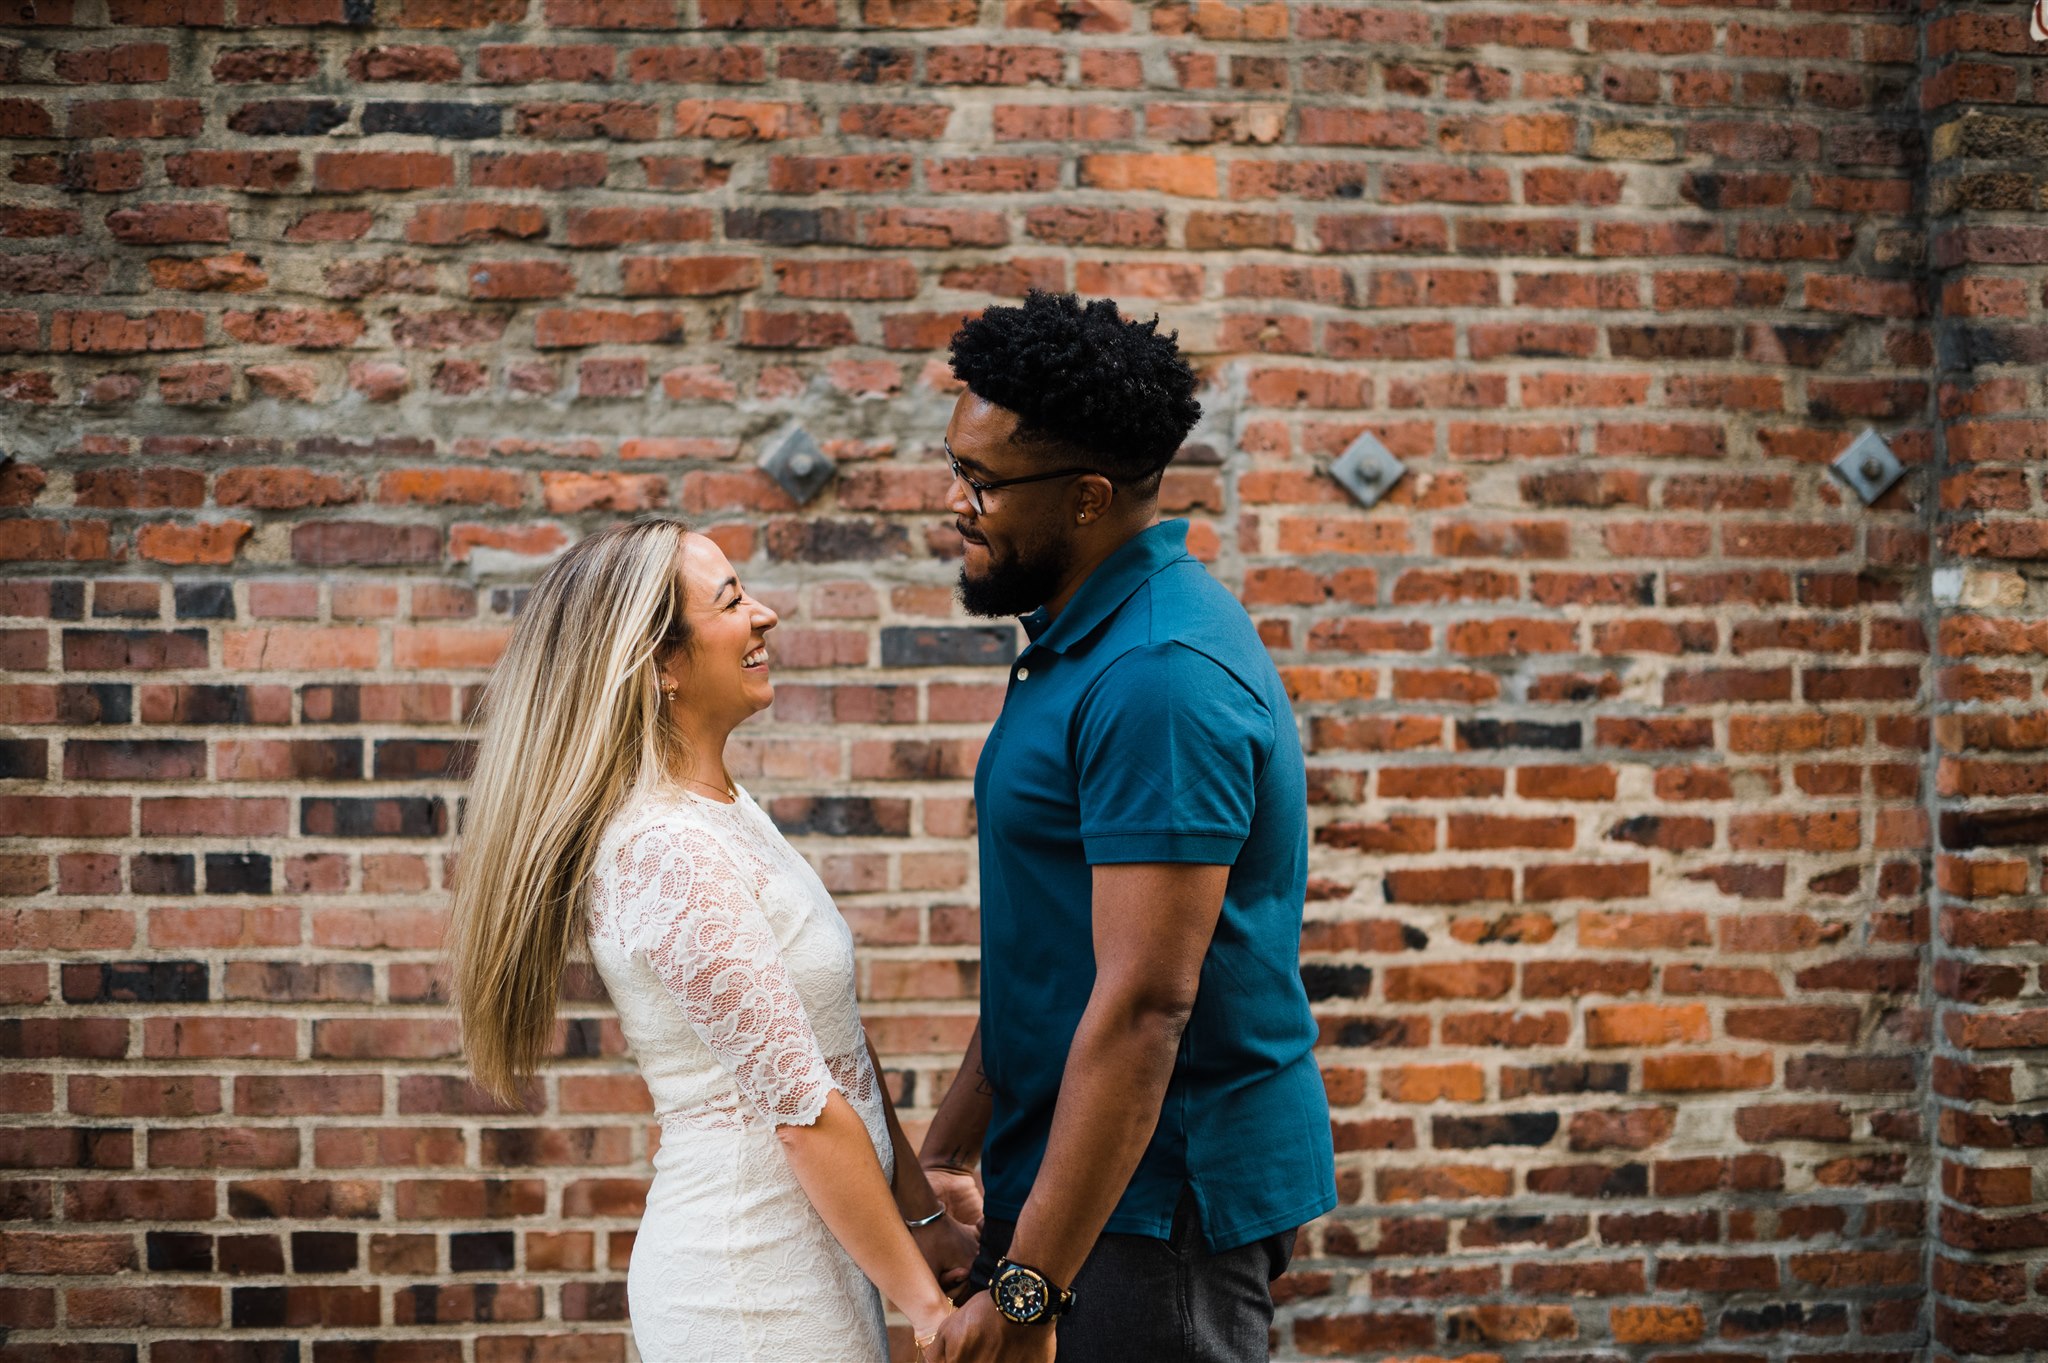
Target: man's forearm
[[914, 1196], [953, 1140], [1115, 1081]]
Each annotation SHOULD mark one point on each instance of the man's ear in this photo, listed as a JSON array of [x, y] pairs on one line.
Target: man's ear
[[1094, 495]]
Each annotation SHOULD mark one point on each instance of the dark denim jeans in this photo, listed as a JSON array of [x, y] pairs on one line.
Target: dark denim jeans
[[1163, 1301]]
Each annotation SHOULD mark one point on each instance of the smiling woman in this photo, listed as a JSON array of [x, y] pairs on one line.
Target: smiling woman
[[721, 678], [602, 811]]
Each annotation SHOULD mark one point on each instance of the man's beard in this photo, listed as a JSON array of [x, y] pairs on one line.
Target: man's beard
[[1019, 583]]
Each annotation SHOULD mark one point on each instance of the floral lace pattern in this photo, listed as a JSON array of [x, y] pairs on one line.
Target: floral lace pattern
[[733, 976]]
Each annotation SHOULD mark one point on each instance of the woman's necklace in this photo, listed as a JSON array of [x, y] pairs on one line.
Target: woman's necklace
[[728, 790]]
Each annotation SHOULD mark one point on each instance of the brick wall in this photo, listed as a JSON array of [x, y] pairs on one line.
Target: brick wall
[[1989, 261], [1676, 926]]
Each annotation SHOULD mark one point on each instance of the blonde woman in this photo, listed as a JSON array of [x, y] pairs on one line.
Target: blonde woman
[[784, 1189]]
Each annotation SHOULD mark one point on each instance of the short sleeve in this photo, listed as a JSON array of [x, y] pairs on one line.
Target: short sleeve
[[1170, 745], [707, 939]]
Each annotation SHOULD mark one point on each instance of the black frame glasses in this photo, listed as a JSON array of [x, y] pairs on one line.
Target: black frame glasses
[[976, 486]]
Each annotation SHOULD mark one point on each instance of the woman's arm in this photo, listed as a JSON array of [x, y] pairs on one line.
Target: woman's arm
[[948, 1246], [834, 1161]]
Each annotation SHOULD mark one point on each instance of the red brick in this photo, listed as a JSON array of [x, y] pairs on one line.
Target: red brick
[[1183, 176], [1679, 1073], [349, 172], [520, 279], [582, 120], [405, 62], [689, 276], [851, 279], [450, 224], [530, 64], [546, 170]]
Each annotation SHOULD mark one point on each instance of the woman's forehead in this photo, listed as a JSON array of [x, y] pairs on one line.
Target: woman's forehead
[[704, 566]]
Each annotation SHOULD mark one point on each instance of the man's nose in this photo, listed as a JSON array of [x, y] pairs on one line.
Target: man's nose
[[960, 499]]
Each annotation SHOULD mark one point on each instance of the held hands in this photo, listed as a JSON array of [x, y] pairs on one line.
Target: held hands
[[978, 1333], [949, 1249], [924, 1333], [959, 1190]]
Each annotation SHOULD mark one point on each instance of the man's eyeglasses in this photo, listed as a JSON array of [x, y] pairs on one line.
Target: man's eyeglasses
[[976, 486]]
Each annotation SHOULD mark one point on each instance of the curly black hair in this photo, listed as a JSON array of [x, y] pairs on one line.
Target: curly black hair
[[1083, 377]]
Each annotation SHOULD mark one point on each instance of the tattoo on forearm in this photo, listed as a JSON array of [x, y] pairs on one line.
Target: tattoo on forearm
[[981, 1083]]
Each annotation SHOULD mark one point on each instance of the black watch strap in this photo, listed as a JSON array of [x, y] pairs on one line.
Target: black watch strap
[[1027, 1296]]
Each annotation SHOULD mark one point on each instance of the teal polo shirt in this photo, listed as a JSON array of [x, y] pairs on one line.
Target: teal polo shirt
[[1147, 724]]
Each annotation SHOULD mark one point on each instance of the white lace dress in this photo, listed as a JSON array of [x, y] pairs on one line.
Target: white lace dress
[[733, 975]]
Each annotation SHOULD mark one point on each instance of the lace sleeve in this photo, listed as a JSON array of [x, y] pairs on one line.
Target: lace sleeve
[[706, 938]]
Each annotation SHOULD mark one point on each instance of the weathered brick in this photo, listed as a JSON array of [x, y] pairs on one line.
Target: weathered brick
[[1620, 715]]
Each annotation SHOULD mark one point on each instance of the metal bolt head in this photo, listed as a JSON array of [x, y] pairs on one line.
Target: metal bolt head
[[798, 465], [1367, 469], [1868, 466]]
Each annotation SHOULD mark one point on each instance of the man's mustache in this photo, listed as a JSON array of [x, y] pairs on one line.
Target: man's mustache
[[968, 535]]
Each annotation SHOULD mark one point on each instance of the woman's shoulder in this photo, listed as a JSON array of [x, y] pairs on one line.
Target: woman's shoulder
[[652, 844], [651, 814]]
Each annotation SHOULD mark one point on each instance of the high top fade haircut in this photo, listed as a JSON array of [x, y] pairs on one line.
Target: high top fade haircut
[[1088, 385]]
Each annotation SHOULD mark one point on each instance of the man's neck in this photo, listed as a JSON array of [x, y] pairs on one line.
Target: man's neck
[[1087, 563]]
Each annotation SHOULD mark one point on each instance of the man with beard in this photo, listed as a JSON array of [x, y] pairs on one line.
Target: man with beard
[[1141, 1092]]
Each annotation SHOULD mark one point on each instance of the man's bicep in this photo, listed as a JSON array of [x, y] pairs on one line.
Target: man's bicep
[[1153, 922]]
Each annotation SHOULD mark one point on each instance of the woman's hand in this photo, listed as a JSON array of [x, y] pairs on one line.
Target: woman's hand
[[960, 1191], [925, 1327], [949, 1248], [978, 1333]]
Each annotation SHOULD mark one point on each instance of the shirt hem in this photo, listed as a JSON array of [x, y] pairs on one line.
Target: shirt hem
[[1223, 1241], [1293, 1218], [1205, 849]]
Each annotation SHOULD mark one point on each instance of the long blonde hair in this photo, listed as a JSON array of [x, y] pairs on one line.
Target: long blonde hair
[[572, 719]]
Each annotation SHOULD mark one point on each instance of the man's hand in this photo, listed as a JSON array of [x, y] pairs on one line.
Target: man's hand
[[960, 1190], [978, 1333], [949, 1248]]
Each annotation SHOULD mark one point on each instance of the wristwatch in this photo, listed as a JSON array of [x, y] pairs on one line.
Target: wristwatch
[[1028, 1297]]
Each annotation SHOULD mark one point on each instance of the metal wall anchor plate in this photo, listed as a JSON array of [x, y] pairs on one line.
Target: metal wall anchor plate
[[796, 462], [1368, 469], [1868, 466]]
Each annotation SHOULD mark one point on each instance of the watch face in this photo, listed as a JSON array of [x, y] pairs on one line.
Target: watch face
[[1020, 1295]]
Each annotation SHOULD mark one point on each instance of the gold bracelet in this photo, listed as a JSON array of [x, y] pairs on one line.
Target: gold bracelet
[[924, 1342]]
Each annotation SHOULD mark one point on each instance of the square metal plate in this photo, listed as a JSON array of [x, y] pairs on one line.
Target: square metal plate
[[1868, 466], [796, 462], [1368, 469]]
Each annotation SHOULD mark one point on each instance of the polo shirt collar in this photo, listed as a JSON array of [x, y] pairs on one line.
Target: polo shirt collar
[[1135, 562]]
